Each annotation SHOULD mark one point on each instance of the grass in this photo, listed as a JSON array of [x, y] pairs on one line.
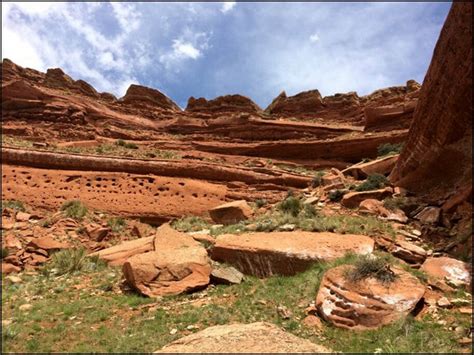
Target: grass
[[128, 145], [291, 205], [71, 261], [4, 253], [190, 224], [335, 195], [68, 318], [371, 266], [260, 202], [389, 149], [318, 178], [373, 182], [74, 209], [116, 224], [14, 205]]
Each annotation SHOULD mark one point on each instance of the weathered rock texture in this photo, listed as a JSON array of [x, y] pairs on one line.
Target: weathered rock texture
[[222, 104], [285, 253], [243, 338], [437, 157], [231, 212], [140, 95], [445, 272], [366, 304]]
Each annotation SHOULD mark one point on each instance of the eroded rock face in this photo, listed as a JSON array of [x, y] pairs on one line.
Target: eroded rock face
[[439, 145], [227, 103], [285, 253], [137, 95], [176, 264], [243, 338], [366, 304], [232, 212], [304, 102]]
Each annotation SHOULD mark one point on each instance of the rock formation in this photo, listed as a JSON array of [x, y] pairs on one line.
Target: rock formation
[[141, 95], [439, 145], [222, 104]]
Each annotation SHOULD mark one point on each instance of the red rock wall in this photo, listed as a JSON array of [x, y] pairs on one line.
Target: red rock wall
[[437, 157]]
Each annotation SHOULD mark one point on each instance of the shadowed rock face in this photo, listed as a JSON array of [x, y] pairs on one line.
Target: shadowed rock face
[[439, 146], [227, 103]]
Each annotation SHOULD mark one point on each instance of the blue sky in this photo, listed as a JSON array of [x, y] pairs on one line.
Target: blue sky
[[211, 49]]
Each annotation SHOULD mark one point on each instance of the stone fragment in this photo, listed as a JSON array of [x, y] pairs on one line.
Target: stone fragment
[[25, 307], [353, 199], [429, 215], [118, 254], [226, 275], [369, 303], [442, 270], [9, 268], [232, 212], [22, 216], [379, 166], [243, 338], [47, 243]]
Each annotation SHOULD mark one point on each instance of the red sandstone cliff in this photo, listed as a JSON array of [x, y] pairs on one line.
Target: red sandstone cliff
[[437, 157]]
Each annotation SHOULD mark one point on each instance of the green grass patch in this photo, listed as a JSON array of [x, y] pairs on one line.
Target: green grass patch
[[74, 209], [116, 224], [366, 266], [14, 205], [389, 149], [373, 182], [190, 224], [70, 261]]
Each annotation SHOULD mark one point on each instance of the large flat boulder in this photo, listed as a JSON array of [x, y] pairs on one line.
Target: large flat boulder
[[176, 264], [232, 212], [285, 253], [444, 272], [118, 254], [378, 166], [353, 199], [368, 303], [260, 337]]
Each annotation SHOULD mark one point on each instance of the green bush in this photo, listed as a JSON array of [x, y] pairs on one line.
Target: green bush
[[371, 266], [317, 179], [190, 224], [70, 261], [309, 211], [74, 209], [4, 253], [291, 205], [260, 202], [389, 148], [116, 224], [335, 195], [373, 182], [14, 205]]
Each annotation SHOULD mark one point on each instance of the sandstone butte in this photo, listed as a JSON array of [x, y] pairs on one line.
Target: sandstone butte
[[228, 161]]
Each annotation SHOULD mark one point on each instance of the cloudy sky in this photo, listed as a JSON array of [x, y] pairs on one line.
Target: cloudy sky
[[211, 49]]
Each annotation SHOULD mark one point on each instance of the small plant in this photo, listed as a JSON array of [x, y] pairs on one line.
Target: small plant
[[260, 202], [373, 182], [70, 261], [74, 209], [309, 211], [190, 224], [4, 253], [389, 148], [120, 142], [371, 266], [116, 224], [394, 203], [335, 195], [14, 205], [291, 205], [317, 179]]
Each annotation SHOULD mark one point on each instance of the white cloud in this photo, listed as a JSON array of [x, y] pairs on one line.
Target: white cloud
[[185, 49], [227, 6], [314, 38]]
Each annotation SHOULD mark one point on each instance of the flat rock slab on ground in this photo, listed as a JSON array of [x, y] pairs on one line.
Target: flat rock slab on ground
[[366, 304], [353, 199], [232, 212], [379, 166], [285, 253], [258, 337], [444, 272]]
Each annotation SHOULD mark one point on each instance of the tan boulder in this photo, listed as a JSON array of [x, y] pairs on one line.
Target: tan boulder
[[285, 253], [402, 249], [376, 207], [9, 268], [243, 338], [47, 243], [232, 212], [429, 215], [444, 272], [118, 254], [22, 216], [366, 304], [177, 264], [379, 166], [353, 199]]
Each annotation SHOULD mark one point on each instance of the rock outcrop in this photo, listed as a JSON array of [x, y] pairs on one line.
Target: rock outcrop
[[243, 338], [285, 253], [231, 212], [222, 104], [439, 145], [141, 95], [369, 303]]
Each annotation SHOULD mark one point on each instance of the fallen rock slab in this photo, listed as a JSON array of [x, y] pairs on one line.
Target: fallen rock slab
[[232, 212], [285, 253], [380, 166], [366, 304], [47, 243], [9, 268], [376, 207], [402, 249], [429, 215], [226, 275], [353, 199], [444, 272], [243, 338], [177, 264], [118, 254]]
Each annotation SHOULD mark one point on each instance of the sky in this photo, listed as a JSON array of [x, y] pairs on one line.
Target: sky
[[211, 49]]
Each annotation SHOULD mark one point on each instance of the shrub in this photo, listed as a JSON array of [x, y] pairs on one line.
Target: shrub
[[335, 195], [190, 224], [69, 261], [389, 148], [317, 179], [260, 202], [291, 205], [371, 266], [373, 182], [13, 204], [309, 211], [4, 253], [116, 224], [394, 203], [74, 209], [120, 142]]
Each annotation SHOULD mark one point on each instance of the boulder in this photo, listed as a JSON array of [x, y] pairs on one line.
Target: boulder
[[429, 215], [444, 272], [22, 216], [382, 166], [243, 338], [353, 199], [176, 264], [376, 207], [285, 253], [402, 249], [232, 212], [9, 268], [369, 303], [228, 275], [118, 254], [47, 243]]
